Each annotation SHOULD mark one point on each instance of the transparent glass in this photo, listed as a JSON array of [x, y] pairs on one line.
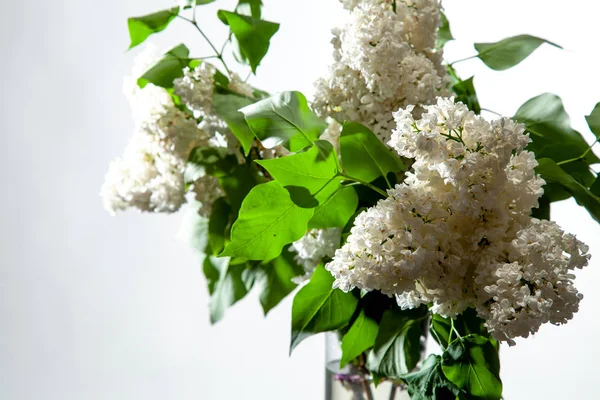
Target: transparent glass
[[350, 383]]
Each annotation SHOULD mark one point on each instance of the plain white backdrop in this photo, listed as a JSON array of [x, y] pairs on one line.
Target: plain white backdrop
[[98, 307]]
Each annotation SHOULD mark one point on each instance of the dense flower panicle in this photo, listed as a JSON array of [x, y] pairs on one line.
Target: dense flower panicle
[[146, 177], [150, 174], [206, 190], [383, 60], [196, 89], [534, 284], [314, 248], [457, 233]]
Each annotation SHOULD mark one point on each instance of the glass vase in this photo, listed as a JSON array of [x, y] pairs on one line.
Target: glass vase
[[351, 382]]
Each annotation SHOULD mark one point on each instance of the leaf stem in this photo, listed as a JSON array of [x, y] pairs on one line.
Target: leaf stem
[[463, 59], [367, 184], [581, 157], [218, 54], [225, 44], [491, 111], [453, 329], [393, 391]]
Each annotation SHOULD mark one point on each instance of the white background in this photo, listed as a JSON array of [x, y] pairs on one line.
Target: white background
[[98, 307]]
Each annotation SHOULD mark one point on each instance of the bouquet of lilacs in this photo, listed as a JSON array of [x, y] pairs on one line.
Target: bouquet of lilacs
[[395, 206]]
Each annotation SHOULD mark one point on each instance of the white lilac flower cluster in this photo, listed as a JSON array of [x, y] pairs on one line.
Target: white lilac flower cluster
[[384, 59], [314, 248], [150, 174], [196, 89], [457, 233]]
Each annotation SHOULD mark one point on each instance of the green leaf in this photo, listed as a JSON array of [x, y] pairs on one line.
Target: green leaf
[[209, 160], [444, 34], [364, 156], [465, 92], [253, 35], [310, 177], [595, 188], [217, 225], [336, 211], [510, 51], [238, 183], [268, 220], [227, 107], [251, 8], [317, 307], [360, 337], [276, 279], [552, 137], [593, 121], [472, 364], [466, 323], [169, 68], [429, 382], [543, 211], [397, 348], [228, 289], [553, 173], [191, 3], [545, 118], [194, 229], [280, 118], [142, 27]]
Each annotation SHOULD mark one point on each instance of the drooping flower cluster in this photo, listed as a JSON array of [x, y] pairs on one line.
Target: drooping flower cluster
[[150, 174], [457, 233], [384, 59], [314, 248]]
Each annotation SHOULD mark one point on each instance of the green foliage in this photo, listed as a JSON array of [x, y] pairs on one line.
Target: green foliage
[[283, 117], [313, 179], [466, 323], [252, 8], [543, 210], [364, 157], [192, 3], [227, 283], [545, 118], [593, 121], [552, 137], [142, 27], [471, 363], [336, 211], [551, 172], [238, 183], [465, 92], [359, 338], [253, 35], [275, 277], [310, 177], [194, 230], [317, 307], [227, 107], [169, 68], [268, 220], [209, 160], [429, 382], [225, 278], [397, 349], [595, 188], [444, 34], [217, 225], [509, 52]]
